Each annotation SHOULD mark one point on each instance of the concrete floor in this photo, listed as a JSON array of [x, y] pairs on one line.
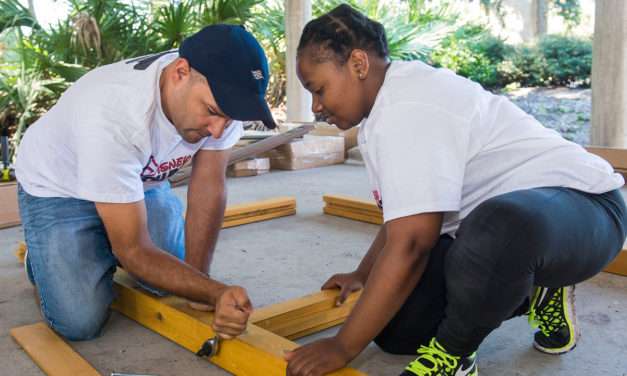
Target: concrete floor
[[290, 257]]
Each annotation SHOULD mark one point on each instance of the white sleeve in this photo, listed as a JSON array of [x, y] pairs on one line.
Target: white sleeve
[[108, 164], [420, 156], [229, 138]]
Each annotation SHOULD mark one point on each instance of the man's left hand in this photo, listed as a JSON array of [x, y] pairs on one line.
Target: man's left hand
[[317, 358]]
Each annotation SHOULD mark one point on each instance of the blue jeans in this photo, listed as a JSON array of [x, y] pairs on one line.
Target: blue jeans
[[70, 261]]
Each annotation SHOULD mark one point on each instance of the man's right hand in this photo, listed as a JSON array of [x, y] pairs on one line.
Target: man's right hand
[[347, 283], [232, 310]]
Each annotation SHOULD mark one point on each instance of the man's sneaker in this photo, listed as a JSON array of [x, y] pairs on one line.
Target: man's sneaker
[[553, 312], [433, 360]]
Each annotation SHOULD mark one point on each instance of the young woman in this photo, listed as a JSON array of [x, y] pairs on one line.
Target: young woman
[[488, 215]]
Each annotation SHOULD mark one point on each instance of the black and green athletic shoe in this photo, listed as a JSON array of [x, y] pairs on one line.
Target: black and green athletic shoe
[[553, 312], [434, 360]]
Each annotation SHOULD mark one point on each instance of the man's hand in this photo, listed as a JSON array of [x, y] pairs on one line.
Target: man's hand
[[233, 308], [317, 358], [347, 282]]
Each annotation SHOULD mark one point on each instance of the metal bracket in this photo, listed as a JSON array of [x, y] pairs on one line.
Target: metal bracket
[[210, 347]]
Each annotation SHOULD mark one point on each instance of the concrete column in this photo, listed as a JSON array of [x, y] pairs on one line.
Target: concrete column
[[540, 13], [609, 75], [297, 14]]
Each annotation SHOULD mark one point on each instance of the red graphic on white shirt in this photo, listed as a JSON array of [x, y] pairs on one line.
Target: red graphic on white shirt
[[154, 171], [378, 199]]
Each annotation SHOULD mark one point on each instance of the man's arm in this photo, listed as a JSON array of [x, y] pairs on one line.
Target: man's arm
[[206, 201], [127, 229]]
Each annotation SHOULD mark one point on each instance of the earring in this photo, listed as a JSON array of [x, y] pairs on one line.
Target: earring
[[361, 76]]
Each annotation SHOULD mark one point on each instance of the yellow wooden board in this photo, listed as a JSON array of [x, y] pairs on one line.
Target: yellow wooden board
[[256, 352], [357, 203], [258, 218], [299, 317], [353, 215], [250, 208], [50, 352], [619, 265]]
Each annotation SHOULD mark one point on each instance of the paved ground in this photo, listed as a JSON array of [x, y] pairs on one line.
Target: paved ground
[[293, 256]]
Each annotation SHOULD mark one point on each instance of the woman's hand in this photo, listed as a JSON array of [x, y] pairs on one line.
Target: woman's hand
[[347, 283], [317, 358]]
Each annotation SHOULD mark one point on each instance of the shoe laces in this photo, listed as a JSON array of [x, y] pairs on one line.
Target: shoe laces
[[550, 317], [432, 359]]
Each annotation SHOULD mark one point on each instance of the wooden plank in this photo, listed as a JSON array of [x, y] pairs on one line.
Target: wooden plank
[[50, 352], [252, 207], [9, 211], [357, 203], [20, 252], [619, 265], [256, 352], [299, 317], [258, 218], [353, 215], [615, 156], [371, 213]]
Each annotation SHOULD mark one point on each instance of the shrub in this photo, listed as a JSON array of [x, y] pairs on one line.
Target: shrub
[[566, 60], [474, 53]]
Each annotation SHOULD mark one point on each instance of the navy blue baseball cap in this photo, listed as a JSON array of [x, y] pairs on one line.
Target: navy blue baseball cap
[[236, 68]]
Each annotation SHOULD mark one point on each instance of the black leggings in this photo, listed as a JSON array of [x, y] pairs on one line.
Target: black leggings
[[551, 237]]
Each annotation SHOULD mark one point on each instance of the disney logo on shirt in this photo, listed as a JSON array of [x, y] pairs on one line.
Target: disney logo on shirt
[[154, 171]]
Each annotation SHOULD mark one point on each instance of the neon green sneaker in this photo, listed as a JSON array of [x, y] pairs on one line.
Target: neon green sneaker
[[433, 360], [553, 312]]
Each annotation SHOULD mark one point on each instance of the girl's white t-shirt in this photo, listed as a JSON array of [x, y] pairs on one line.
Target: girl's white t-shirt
[[107, 139], [437, 142]]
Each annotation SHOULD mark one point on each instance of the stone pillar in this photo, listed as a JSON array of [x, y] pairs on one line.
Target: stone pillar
[[609, 75], [541, 13], [297, 14]]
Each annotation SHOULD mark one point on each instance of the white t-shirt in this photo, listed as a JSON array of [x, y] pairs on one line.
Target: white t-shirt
[[437, 142], [107, 139]]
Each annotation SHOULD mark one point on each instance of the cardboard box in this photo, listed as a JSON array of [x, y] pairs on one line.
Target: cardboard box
[[9, 212], [308, 152], [350, 135], [250, 167]]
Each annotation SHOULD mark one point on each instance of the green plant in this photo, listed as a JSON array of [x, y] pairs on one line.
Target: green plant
[[476, 54], [567, 60]]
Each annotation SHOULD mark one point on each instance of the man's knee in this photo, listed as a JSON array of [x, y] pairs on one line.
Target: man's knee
[[83, 323]]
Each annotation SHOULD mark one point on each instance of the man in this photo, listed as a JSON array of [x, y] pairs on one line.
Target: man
[[93, 172]]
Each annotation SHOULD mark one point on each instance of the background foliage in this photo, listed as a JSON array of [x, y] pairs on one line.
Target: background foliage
[[37, 64]]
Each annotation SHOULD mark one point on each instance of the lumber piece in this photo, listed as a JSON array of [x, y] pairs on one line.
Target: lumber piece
[[252, 208], [240, 214], [352, 202], [249, 151], [371, 213], [352, 208], [50, 352], [353, 215], [20, 252], [615, 156], [256, 352], [297, 318], [619, 265], [258, 218]]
